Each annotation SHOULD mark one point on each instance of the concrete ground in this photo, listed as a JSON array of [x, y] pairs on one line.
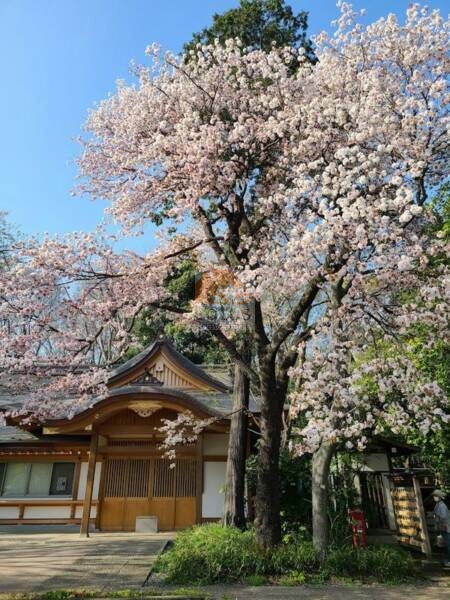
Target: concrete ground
[[39, 562], [434, 591]]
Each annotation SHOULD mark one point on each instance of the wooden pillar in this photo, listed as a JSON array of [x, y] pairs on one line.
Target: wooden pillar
[[103, 467], [76, 482], [84, 529], [199, 480]]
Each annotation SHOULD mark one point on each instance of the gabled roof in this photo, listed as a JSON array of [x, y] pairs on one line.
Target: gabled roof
[[135, 397], [167, 349], [206, 391]]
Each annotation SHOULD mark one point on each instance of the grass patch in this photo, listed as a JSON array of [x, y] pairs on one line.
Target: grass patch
[[383, 564], [212, 554], [255, 580], [295, 578]]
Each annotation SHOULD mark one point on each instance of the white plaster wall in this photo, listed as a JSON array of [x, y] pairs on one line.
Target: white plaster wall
[[9, 512], [79, 512], [213, 482], [47, 512], [215, 444], [83, 480], [376, 462]]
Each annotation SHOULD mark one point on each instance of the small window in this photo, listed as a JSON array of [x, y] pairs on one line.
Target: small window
[[2, 475], [36, 479], [62, 479], [40, 477], [16, 479]]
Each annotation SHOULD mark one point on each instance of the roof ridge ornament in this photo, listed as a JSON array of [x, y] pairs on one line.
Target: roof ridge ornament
[[146, 378]]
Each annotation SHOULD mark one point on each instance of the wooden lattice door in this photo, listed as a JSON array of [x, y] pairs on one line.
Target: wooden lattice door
[[374, 500], [125, 493], [138, 487], [174, 493]]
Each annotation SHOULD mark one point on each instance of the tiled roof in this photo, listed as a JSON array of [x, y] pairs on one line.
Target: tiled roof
[[14, 434], [15, 388], [222, 402], [220, 372], [13, 394]]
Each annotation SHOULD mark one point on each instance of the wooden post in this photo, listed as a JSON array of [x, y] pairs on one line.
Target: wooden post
[[84, 529], [426, 545], [76, 481], [199, 480], [103, 467]]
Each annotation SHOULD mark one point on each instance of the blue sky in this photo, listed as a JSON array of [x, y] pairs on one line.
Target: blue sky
[[58, 57]]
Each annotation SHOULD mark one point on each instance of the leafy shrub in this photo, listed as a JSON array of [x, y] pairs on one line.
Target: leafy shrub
[[381, 563], [212, 554], [294, 556]]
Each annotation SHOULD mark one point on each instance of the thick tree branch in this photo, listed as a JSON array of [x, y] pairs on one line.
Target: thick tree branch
[[212, 237], [230, 347], [293, 319]]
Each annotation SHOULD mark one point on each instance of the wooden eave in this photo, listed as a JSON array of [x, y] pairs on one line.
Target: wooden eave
[[136, 398], [385, 444], [67, 447]]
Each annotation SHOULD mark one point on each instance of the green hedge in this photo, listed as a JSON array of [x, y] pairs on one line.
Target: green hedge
[[213, 554]]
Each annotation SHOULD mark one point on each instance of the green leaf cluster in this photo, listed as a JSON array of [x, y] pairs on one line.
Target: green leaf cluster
[[259, 24], [153, 324]]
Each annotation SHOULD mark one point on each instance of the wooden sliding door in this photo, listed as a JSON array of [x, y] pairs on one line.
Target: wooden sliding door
[[138, 487], [125, 493], [173, 493]]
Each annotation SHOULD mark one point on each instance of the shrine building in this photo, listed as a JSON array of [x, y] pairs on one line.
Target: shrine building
[[104, 467]]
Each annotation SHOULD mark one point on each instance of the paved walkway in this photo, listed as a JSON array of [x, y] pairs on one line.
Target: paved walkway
[[40, 562], [332, 592]]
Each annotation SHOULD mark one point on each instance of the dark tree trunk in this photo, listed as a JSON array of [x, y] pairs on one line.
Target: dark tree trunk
[[267, 504], [320, 475], [234, 509]]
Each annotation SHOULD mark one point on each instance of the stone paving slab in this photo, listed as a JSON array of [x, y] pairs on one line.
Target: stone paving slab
[[103, 561]]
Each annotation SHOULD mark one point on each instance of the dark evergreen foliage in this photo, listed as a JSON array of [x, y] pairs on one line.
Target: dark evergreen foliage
[[258, 24]]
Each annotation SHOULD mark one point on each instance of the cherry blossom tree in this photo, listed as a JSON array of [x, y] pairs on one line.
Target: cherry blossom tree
[[308, 188]]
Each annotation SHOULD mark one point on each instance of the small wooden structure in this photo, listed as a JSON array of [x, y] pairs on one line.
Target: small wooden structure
[[392, 496]]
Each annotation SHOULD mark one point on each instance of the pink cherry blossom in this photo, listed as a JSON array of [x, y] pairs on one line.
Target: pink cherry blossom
[[310, 188]]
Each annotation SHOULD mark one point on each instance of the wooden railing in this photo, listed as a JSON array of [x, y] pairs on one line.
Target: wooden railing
[[22, 504]]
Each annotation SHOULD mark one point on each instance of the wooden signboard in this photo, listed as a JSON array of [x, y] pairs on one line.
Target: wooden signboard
[[412, 528]]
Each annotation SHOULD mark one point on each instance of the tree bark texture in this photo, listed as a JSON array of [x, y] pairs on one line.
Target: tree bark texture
[[267, 502], [320, 475], [234, 509]]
